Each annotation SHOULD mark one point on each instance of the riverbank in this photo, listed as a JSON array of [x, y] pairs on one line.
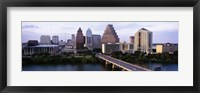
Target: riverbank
[[47, 59]]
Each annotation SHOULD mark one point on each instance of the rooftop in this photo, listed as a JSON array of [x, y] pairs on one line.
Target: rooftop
[[43, 46]]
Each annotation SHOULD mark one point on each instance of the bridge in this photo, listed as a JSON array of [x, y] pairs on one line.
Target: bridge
[[122, 64]]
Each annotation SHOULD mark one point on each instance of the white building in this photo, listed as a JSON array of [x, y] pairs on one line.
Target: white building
[[143, 40], [45, 39], [96, 41], [109, 48], [55, 39], [88, 39]]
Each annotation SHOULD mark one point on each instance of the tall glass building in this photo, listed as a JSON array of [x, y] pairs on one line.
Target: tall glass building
[[88, 39]]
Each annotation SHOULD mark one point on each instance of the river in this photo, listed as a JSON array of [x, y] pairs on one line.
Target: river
[[91, 67]]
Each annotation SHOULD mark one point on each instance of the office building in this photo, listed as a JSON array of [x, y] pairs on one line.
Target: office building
[[143, 40], [38, 49], [166, 48], [109, 35], [127, 47], [88, 39], [132, 39], [62, 43], [96, 39], [55, 40], [73, 41], [32, 43], [109, 48], [79, 39], [45, 39]]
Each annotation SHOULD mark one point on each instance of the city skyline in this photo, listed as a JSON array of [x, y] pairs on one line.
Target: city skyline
[[163, 31]]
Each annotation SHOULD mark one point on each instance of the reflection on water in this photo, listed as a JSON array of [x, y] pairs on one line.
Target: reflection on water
[[64, 67], [160, 66], [94, 67]]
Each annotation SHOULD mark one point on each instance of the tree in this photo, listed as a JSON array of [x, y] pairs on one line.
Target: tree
[[96, 50]]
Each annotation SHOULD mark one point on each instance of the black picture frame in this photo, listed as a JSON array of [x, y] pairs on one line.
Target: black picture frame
[[100, 3]]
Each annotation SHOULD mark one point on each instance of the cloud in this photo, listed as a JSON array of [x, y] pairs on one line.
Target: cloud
[[29, 26], [124, 29]]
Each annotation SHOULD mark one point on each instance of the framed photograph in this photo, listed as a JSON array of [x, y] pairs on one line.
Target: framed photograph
[[99, 46]]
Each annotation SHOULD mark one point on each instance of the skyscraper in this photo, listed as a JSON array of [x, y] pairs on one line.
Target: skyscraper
[[79, 39], [109, 35], [55, 39], [45, 39], [96, 41], [132, 39], [143, 40], [73, 41], [88, 39]]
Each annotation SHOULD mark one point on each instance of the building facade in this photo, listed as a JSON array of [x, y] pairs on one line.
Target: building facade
[[62, 43], [88, 39], [55, 40], [38, 49], [127, 47], [109, 35], [96, 39], [45, 39], [132, 38], [73, 41], [32, 43], [166, 48], [143, 40], [109, 48], [79, 39], [69, 44]]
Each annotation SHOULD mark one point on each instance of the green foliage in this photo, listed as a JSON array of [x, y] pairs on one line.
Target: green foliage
[[140, 57], [56, 59], [96, 50]]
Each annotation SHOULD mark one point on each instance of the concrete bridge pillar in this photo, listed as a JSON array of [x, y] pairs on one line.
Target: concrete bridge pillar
[[106, 62], [113, 67]]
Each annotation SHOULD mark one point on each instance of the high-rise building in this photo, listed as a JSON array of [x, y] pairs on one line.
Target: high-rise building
[[109, 35], [73, 41], [143, 40], [88, 39], [55, 39], [79, 39], [132, 39], [96, 41], [45, 39]]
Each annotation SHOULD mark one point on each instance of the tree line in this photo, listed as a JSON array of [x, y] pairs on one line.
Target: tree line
[[58, 59], [141, 57]]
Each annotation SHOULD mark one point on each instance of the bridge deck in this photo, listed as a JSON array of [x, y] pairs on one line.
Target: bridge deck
[[123, 64]]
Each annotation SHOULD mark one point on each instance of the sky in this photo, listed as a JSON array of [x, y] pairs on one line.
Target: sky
[[163, 32]]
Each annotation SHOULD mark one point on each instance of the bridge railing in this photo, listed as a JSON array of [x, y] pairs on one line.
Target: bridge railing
[[103, 57]]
